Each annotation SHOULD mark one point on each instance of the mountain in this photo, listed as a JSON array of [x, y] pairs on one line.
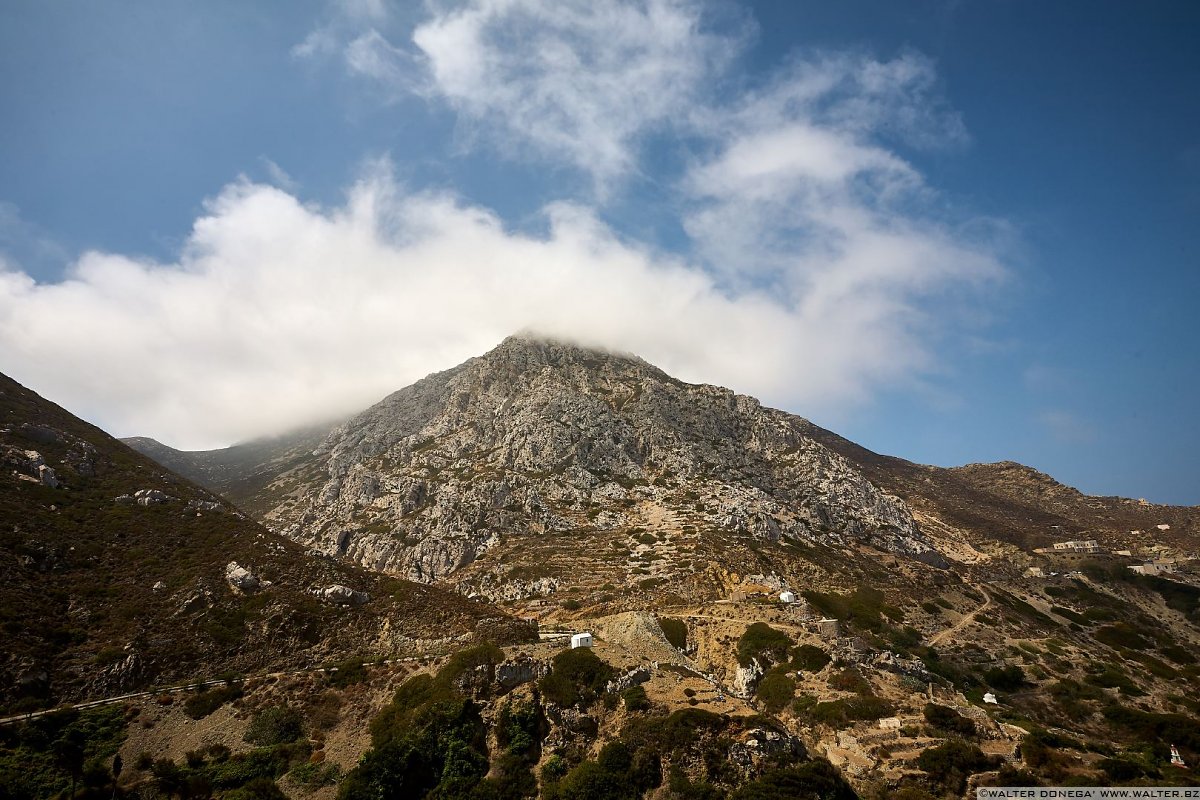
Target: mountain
[[542, 465], [917, 651], [117, 574]]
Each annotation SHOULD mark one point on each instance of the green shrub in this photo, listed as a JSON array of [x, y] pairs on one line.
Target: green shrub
[[1121, 634], [861, 608], [635, 698], [812, 780], [1005, 679], [1165, 729], [1071, 696], [775, 690], [947, 719], [347, 672], [810, 658], [578, 677], [1124, 770], [675, 630], [850, 680], [761, 641], [485, 654], [950, 764], [572, 605], [275, 725], [1111, 676], [839, 713], [203, 703], [314, 776], [257, 789]]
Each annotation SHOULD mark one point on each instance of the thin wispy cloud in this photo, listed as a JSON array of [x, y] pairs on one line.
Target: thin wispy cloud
[[278, 175], [810, 277], [1067, 427]]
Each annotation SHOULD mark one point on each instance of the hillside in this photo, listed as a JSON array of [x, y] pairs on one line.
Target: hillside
[[117, 574], [594, 492], [1014, 504]]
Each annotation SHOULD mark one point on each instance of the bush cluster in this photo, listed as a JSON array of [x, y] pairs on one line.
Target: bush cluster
[[762, 642]]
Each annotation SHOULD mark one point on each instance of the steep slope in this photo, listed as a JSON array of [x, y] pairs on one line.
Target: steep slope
[[541, 452], [115, 574]]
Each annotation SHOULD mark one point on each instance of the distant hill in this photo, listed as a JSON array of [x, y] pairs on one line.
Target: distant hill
[[241, 473]]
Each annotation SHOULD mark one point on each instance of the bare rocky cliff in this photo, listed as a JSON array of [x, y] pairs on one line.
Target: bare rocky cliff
[[539, 438]]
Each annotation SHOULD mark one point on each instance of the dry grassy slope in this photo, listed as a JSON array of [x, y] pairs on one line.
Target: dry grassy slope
[[79, 615]]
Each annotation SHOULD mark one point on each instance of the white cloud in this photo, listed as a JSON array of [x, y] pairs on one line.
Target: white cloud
[[816, 271], [277, 314], [25, 242], [278, 175], [581, 82], [1067, 427]]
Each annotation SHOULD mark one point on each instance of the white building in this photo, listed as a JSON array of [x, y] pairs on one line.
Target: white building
[[991, 698], [1154, 568], [581, 640], [787, 597], [1079, 546]]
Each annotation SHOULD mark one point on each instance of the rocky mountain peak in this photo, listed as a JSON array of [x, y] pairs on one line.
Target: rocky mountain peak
[[543, 439]]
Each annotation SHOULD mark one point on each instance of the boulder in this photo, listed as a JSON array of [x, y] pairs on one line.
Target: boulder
[[634, 677], [150, 497], [241, 579], [746, 678], [47, 476], [342, 595], [762, 744], [521, 669]]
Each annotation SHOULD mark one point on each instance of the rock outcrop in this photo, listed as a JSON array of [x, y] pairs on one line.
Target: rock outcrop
[[243, 580], [342, 595]]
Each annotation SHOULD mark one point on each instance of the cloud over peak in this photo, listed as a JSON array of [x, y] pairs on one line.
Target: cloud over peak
[[811, 261]]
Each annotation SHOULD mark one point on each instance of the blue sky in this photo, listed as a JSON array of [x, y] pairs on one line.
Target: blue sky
[[954, 231]]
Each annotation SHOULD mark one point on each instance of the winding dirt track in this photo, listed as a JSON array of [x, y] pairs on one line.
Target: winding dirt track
[[941, 636]]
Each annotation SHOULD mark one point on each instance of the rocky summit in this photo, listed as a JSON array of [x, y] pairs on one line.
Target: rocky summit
[[540, 438]]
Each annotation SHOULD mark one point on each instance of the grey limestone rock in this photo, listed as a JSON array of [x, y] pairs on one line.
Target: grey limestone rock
[[342, 595], [150, 497], [745, 679], [241, 579], [203, 505]]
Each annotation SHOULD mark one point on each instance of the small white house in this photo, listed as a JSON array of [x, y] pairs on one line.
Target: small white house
[[787, 597], [991, 698], [581, 640]]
